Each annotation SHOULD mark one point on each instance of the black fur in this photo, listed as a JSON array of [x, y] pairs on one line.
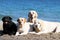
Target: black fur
[[9, 28]]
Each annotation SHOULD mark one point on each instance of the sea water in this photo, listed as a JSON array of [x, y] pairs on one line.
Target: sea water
[[48, 10]]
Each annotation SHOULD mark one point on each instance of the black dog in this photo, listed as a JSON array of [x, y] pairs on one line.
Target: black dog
[[9, 27]]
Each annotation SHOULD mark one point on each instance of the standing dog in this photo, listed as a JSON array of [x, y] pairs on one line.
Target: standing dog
[[23, 27], [9, 27]]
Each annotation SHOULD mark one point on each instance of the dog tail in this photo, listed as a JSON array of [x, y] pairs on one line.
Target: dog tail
[[54, 30]]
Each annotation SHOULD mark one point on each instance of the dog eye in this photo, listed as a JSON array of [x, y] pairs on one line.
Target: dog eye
[[22, 19], [33, 12], [36, 26]]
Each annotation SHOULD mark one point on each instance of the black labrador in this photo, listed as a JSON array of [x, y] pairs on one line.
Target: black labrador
[[9, 27]]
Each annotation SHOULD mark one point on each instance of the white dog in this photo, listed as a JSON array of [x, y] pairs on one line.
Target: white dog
[[48, 27], [23, 27]]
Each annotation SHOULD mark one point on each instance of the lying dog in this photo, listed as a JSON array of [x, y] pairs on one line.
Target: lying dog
[[47, 27], [9, 27], [23, 27]]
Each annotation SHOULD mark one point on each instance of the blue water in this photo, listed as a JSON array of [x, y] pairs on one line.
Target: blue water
[[47, 9]]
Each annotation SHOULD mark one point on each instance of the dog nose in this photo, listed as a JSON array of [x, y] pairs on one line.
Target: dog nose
[[36, 26], [19, 22], [6, 22], [31, 15]]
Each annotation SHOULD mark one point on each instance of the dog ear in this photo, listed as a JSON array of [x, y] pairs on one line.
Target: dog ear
[[25, 20], [36, 15], [3, 18], [29, 14], [17, 20], [10, 18]]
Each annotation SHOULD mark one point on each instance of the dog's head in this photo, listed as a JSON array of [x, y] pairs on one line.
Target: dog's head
[[32, 14], [6, 19], [21, 20], [37, 26]]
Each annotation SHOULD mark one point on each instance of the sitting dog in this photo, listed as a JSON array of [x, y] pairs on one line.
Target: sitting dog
[[32, 15], [23, 27], [9, 27]]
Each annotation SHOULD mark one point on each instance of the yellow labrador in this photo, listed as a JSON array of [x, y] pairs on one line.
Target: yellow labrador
[[23, 27]]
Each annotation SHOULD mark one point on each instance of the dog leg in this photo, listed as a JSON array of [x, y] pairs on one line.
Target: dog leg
[[17, 33], [24, 33], [54, 30]]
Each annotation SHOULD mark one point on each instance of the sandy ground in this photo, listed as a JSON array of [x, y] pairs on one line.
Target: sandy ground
[[49, 36]]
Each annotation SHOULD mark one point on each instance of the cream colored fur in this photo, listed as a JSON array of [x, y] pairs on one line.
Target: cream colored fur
[[48, 27], [26, 27]]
